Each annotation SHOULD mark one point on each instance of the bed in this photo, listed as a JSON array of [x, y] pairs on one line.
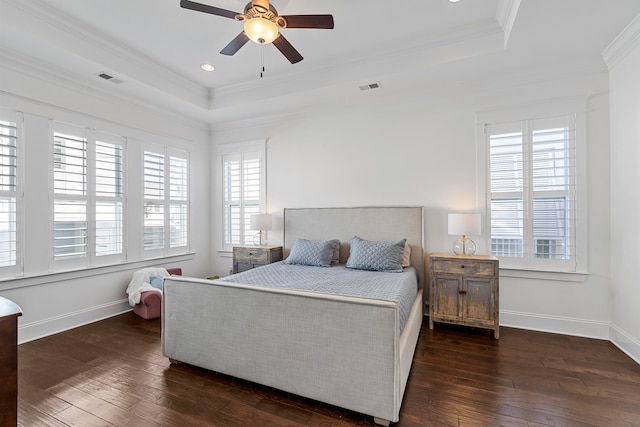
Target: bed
[[346, 350]]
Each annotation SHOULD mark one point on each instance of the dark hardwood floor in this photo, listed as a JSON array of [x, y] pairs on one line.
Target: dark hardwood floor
[[112, 372]]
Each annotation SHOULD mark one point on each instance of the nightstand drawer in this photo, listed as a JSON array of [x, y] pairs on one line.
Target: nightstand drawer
[[254, 255], [248, 257], [471, 267]]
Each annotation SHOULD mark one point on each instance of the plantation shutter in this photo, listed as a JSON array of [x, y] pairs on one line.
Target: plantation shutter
[[179, 201], [70, 193], [109, 194], [533, 193], [243, 177], [154, 198], [8, 194]]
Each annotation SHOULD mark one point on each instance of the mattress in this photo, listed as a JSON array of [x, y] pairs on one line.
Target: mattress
[[401, 288]]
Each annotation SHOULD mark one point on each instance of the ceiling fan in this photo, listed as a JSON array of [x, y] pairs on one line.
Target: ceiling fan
[[261, 25]]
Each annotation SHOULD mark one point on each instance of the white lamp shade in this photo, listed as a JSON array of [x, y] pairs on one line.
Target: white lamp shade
[[464, 224], [261, 222], [261, 30]]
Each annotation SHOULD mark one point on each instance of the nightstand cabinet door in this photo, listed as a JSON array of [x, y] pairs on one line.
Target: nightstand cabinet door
[[248, 257], [446, 299], [464, 291], [479, 298]]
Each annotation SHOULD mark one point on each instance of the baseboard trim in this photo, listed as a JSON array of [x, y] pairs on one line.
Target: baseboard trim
[[625, 342], [555, 324], [42, 328]]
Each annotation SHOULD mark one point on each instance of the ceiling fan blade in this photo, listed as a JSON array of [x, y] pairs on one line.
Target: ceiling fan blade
[[235, 44], [287, 49], [309, 21], [186, 4]]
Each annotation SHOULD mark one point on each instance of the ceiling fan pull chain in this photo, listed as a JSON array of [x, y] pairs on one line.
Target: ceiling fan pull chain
[[262, 60]]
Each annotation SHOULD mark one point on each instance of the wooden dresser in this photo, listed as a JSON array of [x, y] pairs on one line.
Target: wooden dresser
[[464, 291], [9, 312], [248, 257]]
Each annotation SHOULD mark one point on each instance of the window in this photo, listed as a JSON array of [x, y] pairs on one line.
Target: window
[[70, 230], [88, 196], [9, 140], [532, 195], [166, 202], [243, 192], [109, 195], [178, 202], [153, 201]]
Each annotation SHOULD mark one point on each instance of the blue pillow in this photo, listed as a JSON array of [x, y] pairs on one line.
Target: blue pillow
[[380, 255], [156, 281], [316, 253]]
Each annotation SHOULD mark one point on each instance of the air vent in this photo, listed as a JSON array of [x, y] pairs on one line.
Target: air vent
[[375, 85], [110, 78]]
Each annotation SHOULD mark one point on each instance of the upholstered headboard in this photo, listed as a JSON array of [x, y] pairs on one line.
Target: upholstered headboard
[[370, 223]]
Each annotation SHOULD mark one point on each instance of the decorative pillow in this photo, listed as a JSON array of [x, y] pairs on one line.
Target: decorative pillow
[[317, 253], [156, 281], [406, 255], [377, 255]]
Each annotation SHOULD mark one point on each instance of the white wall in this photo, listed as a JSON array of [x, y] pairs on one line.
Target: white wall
[[420, 149], [54, 302], [625, 193]]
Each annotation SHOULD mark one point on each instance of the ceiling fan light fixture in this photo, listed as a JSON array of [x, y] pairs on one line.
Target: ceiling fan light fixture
[[261, 30]]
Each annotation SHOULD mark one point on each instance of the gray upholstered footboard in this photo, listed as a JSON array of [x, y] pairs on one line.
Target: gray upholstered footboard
[[340, 350]]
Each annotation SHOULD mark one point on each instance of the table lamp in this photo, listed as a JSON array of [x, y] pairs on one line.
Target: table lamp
[[260, 222], [463, 225]]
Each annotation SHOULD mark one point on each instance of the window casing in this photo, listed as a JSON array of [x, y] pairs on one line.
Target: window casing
[[166, 202], [532, 193], [243, 191]]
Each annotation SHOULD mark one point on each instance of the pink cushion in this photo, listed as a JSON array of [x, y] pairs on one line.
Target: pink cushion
[[150, 305]]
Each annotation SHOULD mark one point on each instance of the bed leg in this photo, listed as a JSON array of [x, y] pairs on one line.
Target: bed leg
[[174, 361], [381, 422]]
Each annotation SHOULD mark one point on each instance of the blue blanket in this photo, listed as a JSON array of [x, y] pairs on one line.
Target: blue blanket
[[399, 287]]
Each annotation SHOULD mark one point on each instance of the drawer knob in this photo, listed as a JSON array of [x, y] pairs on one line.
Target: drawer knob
[[462, 266], [462, 292]]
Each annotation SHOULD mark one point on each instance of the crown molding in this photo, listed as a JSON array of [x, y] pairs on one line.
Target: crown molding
[[51, 76], [506, 16], [136, 64], [623, 44]]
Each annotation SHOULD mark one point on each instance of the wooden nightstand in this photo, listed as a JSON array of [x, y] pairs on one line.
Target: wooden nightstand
[[464, 291], [248, 257]]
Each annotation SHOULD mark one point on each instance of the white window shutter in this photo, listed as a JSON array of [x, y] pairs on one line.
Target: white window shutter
[[243, 193], [9, 245], [532, 193], [109, 197], [154, 212], [166, 202], [70, 228]]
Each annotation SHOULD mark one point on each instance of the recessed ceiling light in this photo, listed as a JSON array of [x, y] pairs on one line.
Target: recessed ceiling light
[[207, 67], [454, 1]]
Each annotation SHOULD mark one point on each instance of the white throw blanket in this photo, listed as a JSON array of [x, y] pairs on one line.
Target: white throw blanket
[[141, 282]]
